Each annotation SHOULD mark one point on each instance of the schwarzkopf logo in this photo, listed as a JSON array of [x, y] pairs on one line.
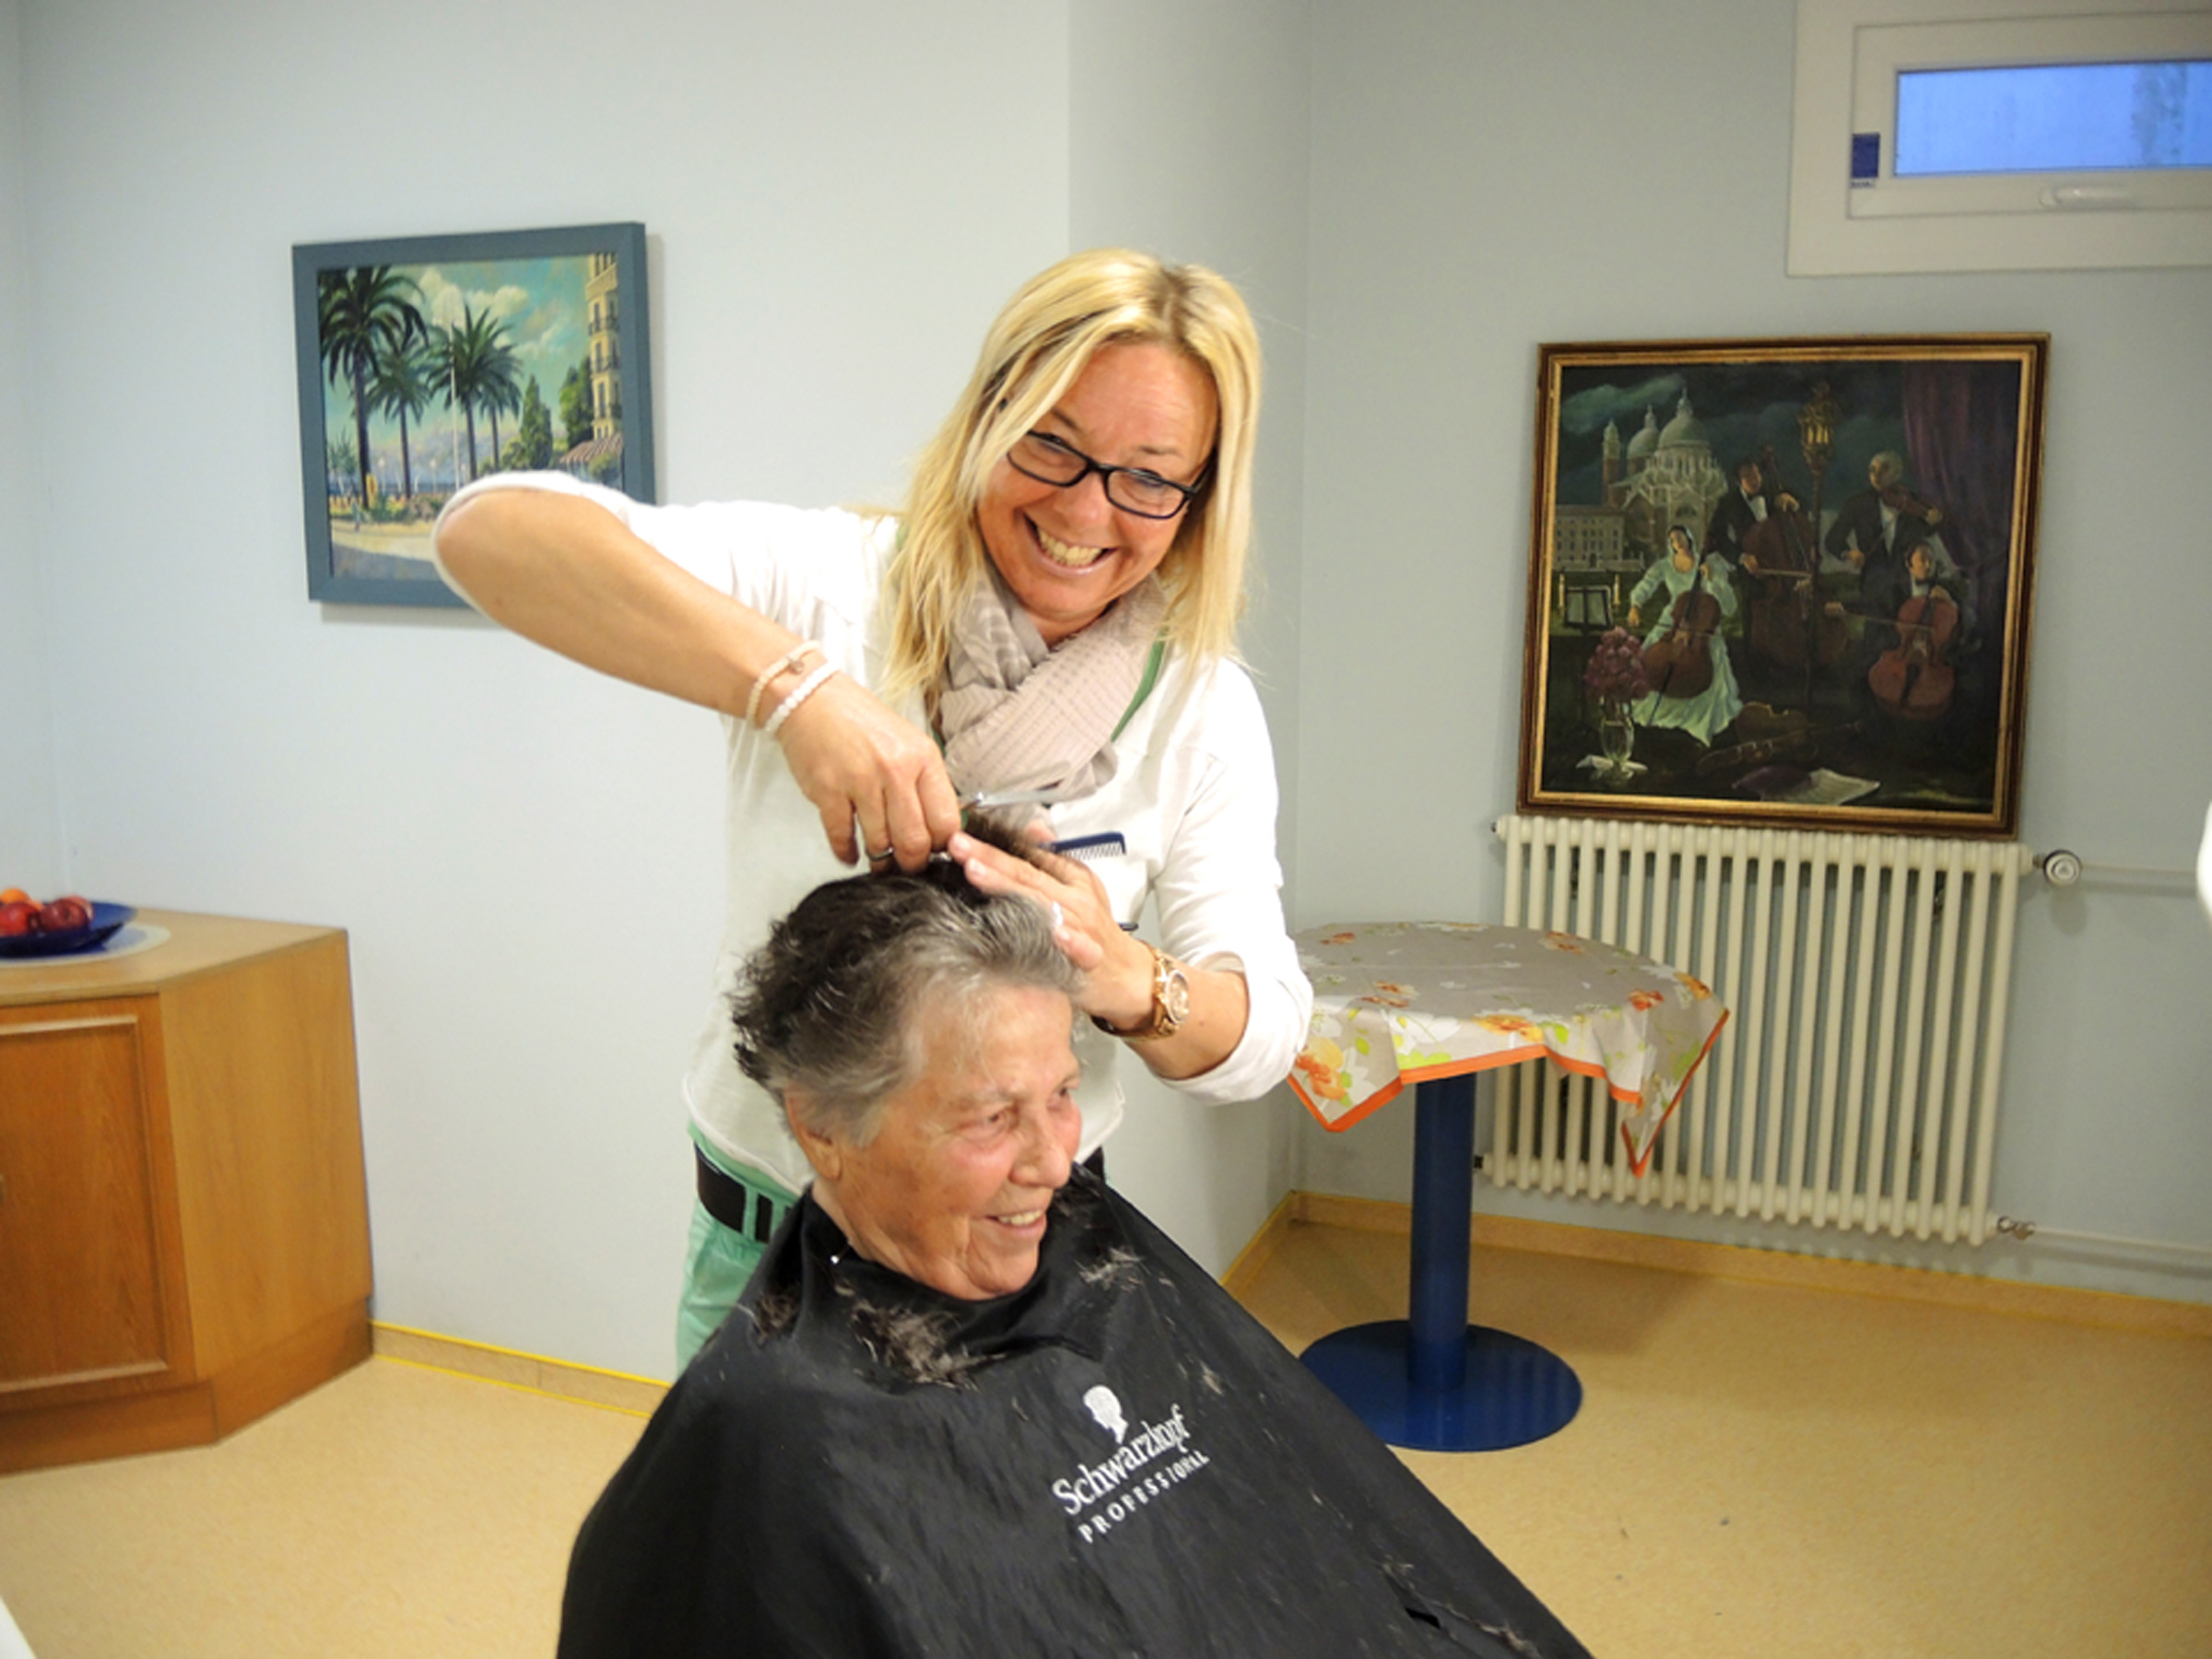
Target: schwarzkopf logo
[[1103, 1404], [1146, 1464]]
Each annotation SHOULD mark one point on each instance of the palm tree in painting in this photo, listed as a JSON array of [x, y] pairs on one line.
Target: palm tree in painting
[[480, 372], [405, 381], [340, 469], [507, 399], [364, 312]]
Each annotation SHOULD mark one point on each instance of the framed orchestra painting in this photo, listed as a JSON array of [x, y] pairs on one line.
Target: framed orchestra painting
[[1784, 582]]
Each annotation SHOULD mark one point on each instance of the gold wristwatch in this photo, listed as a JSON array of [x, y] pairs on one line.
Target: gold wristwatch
[[1171, 1001]]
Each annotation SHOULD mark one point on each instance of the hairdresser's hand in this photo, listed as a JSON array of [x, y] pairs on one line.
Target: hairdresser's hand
[[1117, 970], [866, 768]]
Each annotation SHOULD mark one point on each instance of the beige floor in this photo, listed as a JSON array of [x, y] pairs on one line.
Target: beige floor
[[1756, 1471], [397, 1510], [1766, 1471]]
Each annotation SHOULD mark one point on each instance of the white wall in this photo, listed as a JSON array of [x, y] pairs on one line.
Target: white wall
[[1190, 140], [31, 845], [527, 858], [1491, 176]]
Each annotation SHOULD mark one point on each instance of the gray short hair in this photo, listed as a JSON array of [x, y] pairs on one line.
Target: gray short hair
[[833, 1002]]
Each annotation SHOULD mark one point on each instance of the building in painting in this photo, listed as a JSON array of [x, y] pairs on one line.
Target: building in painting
[[1664, 476], [606, 356], [1590, 564], [601, 457], [1588, 538]]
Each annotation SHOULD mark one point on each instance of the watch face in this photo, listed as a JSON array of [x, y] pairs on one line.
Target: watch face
[[1175, 993]]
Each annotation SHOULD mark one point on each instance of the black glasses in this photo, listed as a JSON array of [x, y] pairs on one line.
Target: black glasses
[[1132, 488]]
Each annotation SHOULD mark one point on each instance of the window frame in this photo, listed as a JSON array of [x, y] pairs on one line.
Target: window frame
[[1849, 52]]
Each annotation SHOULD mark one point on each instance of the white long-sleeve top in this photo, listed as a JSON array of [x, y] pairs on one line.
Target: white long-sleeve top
[[1193, 794]]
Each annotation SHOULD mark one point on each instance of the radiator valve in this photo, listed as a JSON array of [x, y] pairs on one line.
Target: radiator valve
[[2061, 868]]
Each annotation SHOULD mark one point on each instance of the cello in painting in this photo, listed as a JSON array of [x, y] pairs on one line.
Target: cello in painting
[[1678, 661], [1791, 623], [1913, 679]]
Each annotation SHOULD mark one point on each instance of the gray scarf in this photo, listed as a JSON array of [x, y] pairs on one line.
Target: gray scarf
[[1017, 715]]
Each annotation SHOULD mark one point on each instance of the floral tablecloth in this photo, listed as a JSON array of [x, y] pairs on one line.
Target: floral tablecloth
[[1402, 1002]]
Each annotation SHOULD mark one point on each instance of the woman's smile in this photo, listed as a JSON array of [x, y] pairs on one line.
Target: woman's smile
[[1068, 555]]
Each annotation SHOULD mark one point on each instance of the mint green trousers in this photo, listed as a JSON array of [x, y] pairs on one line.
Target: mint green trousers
[[718, 1265]]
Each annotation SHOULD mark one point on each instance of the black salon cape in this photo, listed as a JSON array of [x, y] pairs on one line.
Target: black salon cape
[[1131, 1464]]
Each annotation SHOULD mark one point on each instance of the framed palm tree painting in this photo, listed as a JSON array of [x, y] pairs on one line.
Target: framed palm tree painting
[[428, 362]]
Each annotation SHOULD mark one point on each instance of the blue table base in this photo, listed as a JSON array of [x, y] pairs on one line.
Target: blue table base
[[1512, 1392], [1432, 1381]]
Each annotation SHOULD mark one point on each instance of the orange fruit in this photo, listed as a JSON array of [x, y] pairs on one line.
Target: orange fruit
[[14, 896]]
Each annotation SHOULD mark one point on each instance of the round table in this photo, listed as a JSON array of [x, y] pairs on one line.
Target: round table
[[1432, 1004]]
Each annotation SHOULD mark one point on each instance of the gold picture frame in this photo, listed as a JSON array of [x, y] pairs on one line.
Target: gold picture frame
[[1842, 643]]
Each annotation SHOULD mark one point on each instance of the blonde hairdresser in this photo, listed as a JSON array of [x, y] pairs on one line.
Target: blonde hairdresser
[[1054, 608]]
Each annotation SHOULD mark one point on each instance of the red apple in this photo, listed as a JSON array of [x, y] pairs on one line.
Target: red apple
[[18, 919], [63, 915]]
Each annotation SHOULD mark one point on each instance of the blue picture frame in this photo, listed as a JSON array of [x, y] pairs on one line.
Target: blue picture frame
[[448, 358]]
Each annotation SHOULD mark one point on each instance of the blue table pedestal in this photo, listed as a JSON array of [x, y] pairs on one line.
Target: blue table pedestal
[[1432, 1381], [1511, 1392]]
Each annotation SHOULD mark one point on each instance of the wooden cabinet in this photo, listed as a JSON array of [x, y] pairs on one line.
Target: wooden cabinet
[[183, 1221]]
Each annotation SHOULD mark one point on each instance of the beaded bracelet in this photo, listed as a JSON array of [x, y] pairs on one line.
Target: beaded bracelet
[[789, 660], [799, 694]]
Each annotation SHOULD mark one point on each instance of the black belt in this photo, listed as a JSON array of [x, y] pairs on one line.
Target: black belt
[[733, 1204]]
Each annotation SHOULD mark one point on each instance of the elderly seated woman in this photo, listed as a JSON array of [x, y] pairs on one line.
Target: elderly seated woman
[[974, 1403]]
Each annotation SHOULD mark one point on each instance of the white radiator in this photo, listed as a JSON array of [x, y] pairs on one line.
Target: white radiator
[[1855, 1084]]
